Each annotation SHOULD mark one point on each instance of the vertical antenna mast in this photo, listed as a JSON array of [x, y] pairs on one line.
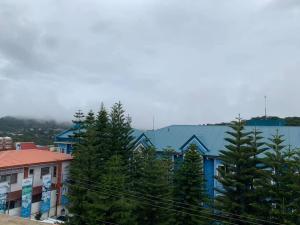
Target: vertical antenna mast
[[153, 127], [153, 123], [265, 106]]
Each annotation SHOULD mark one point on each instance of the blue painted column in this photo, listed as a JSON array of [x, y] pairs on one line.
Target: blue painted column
[[209, 176]]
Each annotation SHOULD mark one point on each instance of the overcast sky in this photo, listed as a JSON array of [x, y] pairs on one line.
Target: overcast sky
[[183, 62]]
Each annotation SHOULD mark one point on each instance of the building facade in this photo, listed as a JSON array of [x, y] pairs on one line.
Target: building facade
[[210, 140], [64, 141], [17, 165]]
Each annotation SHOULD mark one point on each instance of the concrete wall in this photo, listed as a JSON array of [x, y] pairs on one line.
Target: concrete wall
[[16, 186], [37, 180]]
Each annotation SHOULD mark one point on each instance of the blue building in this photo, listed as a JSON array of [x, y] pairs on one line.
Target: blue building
[[208, 139], [64, 141]]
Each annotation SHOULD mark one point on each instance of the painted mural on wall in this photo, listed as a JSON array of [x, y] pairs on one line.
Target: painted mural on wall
[[46, 194], [26, 197], [4, 187], [64, 191]]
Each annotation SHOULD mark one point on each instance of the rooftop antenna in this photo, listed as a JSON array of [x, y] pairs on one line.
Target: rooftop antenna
[[153, 121], [153, 127], [265, 106]]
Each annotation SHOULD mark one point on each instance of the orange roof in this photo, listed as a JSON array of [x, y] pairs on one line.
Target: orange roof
[[17, 158], [27, 145]]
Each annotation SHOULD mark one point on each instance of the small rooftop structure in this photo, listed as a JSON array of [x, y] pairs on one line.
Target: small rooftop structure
[[29, 145]]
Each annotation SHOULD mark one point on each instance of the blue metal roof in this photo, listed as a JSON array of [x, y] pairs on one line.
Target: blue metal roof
[[66, 136], [213, 136]]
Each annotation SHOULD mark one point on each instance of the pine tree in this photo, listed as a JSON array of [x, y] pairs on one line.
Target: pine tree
[[82, 172], [240, 163], [151, 180], [115, 205], [121, 132], [295, 187], [257, 198], [189, 189], [102, 139], [78, 127], [280, 175]]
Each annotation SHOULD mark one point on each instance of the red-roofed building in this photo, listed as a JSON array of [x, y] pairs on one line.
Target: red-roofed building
[[29, 145], [16, 165]]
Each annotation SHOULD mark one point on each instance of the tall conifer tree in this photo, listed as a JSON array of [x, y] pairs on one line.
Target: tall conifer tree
[[295, 187], [189, 189], [82, 167], [102, 139], [151, 178], [121, 132], [239, 171], [257, 197], [115, 206], [280, 176]]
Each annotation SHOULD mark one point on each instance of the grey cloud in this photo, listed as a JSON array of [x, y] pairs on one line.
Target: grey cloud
[[192, 62]]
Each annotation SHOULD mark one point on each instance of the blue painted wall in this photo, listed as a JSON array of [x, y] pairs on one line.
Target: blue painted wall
[[217, 185], [208, 167], [65, 148]]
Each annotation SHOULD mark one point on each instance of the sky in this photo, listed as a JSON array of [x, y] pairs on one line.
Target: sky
[[179, 62]]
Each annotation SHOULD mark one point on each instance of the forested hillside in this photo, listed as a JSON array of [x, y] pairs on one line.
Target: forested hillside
[[269, 120], [41, 132]]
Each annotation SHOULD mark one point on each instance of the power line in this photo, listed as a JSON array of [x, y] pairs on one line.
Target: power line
[[181, 203], [161, 202], [154, 205]]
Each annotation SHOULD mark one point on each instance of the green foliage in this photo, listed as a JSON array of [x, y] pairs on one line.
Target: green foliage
[[258, 197], [189, 189], [82, 168], [99, 164], [102, 138], [151, 178], [121, 132], [295, 186], [114, 206], [279, 181], [240, 171], [42, 132]]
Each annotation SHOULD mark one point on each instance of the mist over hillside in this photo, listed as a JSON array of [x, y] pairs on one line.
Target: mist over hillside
[[41, 132]]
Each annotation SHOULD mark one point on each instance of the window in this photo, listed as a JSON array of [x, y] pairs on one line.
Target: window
[[3, 178], [44, 171], [54, 171], [31, 172], [11, 178], [14, 178]]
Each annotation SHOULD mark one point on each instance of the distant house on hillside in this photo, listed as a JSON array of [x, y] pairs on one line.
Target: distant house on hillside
[[65, 140]]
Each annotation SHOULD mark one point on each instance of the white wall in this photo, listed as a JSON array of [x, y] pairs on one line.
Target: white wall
[[37, 180], [16, 186]]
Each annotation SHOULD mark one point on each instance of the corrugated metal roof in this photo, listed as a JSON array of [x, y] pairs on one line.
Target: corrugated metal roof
[[213, 136]]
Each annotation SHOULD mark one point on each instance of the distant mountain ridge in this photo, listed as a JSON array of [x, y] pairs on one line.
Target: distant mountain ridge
[[41, 132]]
